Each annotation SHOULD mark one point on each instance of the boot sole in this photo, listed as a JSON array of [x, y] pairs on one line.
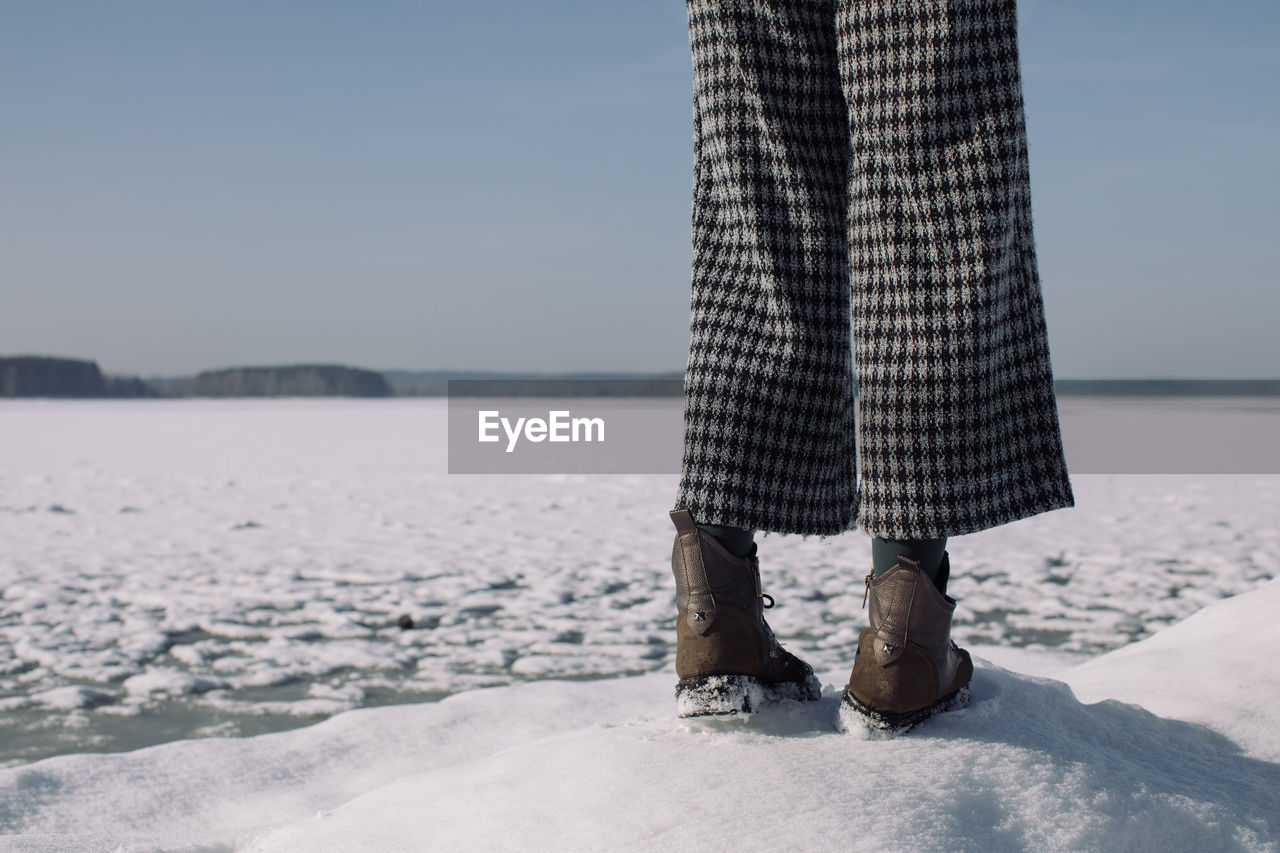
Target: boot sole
[[857, 719], [732, 695]]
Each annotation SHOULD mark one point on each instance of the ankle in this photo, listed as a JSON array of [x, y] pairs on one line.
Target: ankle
[[927, 552], [736, 540]]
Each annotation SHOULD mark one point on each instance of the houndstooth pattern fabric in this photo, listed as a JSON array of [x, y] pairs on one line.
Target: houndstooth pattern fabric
[[861, 196]]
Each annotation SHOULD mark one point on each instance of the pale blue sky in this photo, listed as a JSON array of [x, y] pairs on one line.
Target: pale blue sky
[[505, 185]]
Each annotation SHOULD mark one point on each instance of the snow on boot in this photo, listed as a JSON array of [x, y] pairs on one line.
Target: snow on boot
[[727, 659], [906, 668]]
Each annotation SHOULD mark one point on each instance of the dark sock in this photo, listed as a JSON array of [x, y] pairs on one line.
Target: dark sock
[[736, 540], [927, 552]]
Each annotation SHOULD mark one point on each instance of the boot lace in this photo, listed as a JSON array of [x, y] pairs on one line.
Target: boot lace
[[766, 600]]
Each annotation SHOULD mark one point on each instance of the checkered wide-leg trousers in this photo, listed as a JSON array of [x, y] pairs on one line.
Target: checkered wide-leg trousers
[[861, 172]]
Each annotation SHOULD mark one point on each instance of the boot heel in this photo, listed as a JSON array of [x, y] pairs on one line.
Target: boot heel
[[718, 695], [869, 724]]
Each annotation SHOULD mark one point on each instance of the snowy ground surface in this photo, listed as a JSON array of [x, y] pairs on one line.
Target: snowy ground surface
[[189, 568], [603, 765]]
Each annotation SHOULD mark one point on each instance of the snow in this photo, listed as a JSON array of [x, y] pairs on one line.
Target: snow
[[206, 594], [554, 765], [1227, 678]]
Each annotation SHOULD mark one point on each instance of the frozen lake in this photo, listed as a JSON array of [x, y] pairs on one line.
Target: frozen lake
[[188, 568]]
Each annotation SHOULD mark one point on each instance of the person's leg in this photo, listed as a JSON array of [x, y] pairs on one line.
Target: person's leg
[[769, 426], [768, 405], [958, 425]]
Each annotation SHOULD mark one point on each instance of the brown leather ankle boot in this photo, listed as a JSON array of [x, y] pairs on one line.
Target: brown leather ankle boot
[[727, 659], [906, 668]]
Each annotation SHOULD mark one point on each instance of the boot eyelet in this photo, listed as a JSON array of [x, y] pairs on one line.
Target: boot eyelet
[[767, 598]]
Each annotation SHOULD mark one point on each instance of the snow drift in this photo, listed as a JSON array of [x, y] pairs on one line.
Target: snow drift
[[603, 764]]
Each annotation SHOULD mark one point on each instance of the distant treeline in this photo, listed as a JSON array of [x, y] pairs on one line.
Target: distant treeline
[[295, 380], [46, 376]]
